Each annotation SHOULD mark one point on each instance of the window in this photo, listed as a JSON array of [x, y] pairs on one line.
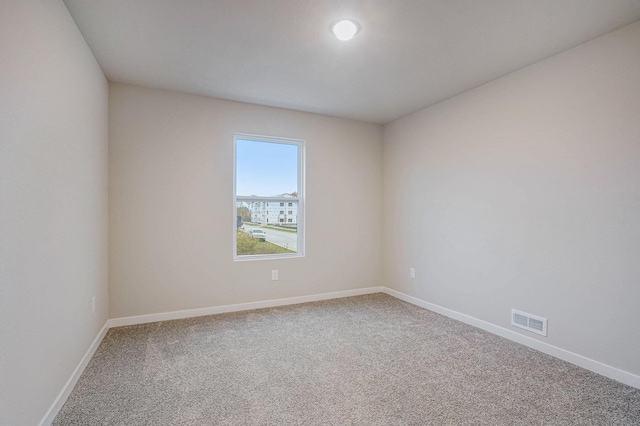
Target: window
[[268, 170]]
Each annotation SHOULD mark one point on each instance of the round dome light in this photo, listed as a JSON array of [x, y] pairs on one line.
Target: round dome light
[[345, 30]]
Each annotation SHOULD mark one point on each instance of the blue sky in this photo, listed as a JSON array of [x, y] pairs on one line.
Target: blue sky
[[266, 169]]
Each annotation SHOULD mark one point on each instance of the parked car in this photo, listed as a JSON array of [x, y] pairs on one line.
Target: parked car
[[259, 234]]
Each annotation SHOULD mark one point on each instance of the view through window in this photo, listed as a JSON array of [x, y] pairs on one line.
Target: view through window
[[268, 197]]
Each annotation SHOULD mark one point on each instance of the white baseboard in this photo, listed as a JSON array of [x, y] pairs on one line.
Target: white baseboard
[[68, 387], [563, 354], [579, 360], [142, 319], [164, 316]]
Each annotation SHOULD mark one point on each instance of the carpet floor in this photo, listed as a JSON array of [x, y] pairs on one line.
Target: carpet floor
[[366, 360]]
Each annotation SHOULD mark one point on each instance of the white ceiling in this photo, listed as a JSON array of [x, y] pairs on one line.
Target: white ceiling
[[408, 55]]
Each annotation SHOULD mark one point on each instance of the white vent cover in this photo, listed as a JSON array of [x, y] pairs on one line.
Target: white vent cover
[[529, 322]]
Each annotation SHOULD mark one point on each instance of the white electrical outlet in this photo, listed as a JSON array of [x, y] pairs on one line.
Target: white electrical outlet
[[274, 275], [412, 272], [93, 305]]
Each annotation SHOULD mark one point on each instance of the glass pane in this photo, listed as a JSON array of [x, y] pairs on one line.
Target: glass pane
[[267, 227], [266, 169]]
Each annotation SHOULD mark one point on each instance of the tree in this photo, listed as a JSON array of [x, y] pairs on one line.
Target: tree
[[244, 213]]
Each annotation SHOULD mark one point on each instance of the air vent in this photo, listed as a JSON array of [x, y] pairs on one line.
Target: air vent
[[529, 322]]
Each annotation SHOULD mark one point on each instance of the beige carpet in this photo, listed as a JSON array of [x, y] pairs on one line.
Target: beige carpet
[[367, 360]]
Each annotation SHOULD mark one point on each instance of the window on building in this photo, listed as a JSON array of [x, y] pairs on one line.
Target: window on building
[[268, 170]]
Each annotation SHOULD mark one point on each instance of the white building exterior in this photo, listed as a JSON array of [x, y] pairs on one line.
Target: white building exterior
[[280, 212], [274, 212]]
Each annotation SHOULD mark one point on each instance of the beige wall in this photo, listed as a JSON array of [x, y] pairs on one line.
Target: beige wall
[[171, 213], [53, 205], [525, 193]]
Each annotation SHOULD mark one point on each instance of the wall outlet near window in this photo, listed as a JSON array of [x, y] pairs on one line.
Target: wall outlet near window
[[93, 305], [412, 272], [274, 275]]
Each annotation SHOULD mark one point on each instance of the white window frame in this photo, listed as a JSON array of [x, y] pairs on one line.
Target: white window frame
[[300, 143]]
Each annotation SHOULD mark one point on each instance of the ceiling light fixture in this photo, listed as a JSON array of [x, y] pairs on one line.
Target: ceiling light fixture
[[345, 29]]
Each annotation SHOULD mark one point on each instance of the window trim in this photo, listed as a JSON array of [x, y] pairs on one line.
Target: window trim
[[300, 198]]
